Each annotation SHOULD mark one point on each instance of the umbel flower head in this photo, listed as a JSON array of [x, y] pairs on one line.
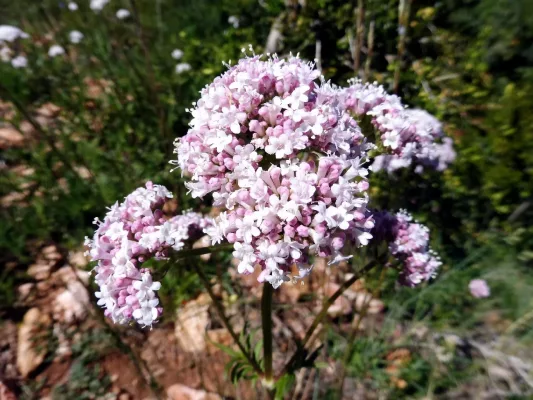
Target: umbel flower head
[[279, 150], [409, 244], [283, 152], [131, 233]]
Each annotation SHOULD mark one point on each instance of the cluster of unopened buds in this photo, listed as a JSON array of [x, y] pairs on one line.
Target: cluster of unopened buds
[[409, 244], [286, 157], [131, 233]]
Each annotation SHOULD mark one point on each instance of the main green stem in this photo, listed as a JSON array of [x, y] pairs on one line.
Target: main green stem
[[266, 319], [221, 313]]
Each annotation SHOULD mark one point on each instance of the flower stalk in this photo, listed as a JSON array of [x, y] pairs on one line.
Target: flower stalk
[[266, 319]]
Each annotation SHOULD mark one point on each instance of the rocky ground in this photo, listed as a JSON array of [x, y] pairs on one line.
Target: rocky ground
[[58, 324]]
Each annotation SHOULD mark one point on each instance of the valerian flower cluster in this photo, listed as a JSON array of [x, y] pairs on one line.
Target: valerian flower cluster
[[284, 153], [131, 233], [286, 157]]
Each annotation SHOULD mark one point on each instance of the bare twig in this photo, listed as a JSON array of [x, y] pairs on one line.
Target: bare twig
[[322, 314], [404, 9], [370, 52], [359, 35]]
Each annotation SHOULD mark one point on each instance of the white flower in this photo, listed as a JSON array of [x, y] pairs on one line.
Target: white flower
[[182, 67], [105, 298], [72, 6], [123, 13], [273, 254], [276, 278], [333, 216], [75, 36], [218, 140], [10, 33], [234, 21], [177, 54], [145, 287], [116, 231], [98, 5], [247, 229], [56, 50], [19, 62], [5, 54]]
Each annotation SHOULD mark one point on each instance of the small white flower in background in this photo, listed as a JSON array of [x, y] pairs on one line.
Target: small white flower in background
[[182, 67], [19, 62], [75, 36], [479, 288], [98, 5], [177, 54], [56, 50], [234, 21], [10, 33], [72, 6], [5, 54], [123, 13]]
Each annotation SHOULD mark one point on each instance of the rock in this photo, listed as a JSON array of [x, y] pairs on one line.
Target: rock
[[48, 110], [24, 291], [78, 259], [13, 198], [191, 324], [51, 253], [341, 306], [67, 274], [27, 128], [10, 137], [45, 262], [72, 303], [83, 172], [219, 336], [40, 272], [97, 88], [30, 353], [182, 392]]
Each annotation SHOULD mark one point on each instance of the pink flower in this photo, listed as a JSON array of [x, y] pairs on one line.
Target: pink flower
[[479, 288], [131, 233]]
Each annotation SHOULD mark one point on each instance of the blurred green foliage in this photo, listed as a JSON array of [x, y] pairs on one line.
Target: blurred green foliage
[[121, 105]]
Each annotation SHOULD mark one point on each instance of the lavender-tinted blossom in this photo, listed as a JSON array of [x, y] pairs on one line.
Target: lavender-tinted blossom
[[411, 246], [234, 21], [10, 33], [19, 62], [55, 50], [182, 67], [98, 5], [409, 134], [479, 288], [75, 37], [177, 54], [408, 243], [123, 13], [72, 6], [131, 233], [279, 151]]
